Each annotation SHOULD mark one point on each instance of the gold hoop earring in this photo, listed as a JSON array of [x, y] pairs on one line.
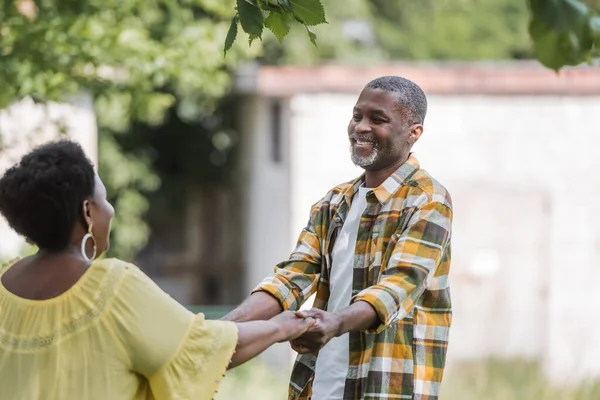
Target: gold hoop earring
[[88, 236]]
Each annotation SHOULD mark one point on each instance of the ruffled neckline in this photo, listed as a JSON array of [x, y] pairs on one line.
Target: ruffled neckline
[[76, 309], [73, 290]]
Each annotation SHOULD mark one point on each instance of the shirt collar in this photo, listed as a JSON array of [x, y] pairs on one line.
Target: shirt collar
[[390, 186]]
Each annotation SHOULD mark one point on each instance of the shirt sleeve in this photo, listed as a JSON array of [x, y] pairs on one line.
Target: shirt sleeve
[[414, 261], [295, 280], [182, 355]]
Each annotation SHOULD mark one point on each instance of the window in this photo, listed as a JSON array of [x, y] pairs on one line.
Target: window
[[276, 145]]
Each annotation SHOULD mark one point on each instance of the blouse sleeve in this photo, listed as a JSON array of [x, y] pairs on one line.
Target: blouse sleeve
[[182, 355]]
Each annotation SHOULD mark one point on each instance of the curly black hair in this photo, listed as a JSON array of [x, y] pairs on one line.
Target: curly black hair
[[41, 196], [409, 95]]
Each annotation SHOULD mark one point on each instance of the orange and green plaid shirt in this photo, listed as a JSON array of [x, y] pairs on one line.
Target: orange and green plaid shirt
[[402, 261]]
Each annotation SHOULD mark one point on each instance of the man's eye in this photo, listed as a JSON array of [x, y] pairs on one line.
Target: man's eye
[[356, 117]]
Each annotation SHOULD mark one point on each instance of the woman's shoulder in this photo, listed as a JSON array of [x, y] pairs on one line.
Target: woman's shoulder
[[115, 271], [106, 274], [63, 316], [122, 271], [126, 282], [113, 264]]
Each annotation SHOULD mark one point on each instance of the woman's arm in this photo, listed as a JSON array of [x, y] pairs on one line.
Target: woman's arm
[[256, 336]]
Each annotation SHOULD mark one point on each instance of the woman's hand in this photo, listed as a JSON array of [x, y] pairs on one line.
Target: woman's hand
[[256, 336], [290, 325]]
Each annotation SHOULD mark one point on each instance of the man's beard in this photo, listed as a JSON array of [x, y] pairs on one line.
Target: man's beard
[[369, 160], [364, 161]]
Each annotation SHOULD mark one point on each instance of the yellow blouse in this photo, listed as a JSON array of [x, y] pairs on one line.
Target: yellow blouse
[[114, 335]]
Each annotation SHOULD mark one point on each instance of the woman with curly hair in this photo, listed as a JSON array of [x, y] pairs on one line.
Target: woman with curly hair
[[73, 327]]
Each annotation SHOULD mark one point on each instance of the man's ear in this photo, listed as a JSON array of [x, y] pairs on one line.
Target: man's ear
[[415, 133]]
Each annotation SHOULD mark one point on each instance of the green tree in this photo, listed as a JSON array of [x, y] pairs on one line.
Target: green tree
[[563, 32], [364, 31], [137, 59], [140, 58]]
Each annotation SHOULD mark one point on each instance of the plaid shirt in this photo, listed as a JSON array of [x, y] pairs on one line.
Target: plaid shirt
[[402, 261]]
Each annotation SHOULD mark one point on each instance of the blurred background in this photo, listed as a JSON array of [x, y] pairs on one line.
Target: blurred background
[[212, 162]]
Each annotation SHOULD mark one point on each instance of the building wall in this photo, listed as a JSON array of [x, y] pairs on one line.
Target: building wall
[[522, 171], [264, 179], [265, 184], [543, 148]]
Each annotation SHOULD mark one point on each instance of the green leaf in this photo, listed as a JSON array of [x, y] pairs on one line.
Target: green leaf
[[557, 13], [561, 32], [231, 34], [311, 12], [266, 5], [251, 19], [252, 38], [285, 4], [312, 36], [276, 23]]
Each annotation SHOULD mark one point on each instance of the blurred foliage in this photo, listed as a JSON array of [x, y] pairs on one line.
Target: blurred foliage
[[129, 48], [510, 379], [150, 62], [26, 250], [137, 59], [563, 32], [365, 31], [128, 178], [183, 154]]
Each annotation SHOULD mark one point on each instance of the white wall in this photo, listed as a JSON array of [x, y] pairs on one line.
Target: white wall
[[320, 152], [266, 192], [523, 172], [545, 147]]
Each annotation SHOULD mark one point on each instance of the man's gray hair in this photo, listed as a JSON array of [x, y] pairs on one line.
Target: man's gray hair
[[410, 97]]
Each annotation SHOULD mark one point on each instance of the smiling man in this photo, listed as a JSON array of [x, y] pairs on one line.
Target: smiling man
[[376, 251]]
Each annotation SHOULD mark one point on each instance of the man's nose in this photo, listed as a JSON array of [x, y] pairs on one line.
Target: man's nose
[[363, 126]]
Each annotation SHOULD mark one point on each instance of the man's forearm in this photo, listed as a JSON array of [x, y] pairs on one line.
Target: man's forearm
[[359, 316], [259, 306]]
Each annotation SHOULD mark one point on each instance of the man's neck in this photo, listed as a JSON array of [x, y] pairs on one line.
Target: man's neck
[[374, 178]]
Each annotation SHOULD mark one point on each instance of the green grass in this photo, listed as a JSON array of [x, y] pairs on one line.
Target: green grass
[[253, 380], [483, 380], [509, 380]]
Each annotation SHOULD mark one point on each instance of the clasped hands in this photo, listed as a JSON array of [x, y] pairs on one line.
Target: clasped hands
[[308, 331]]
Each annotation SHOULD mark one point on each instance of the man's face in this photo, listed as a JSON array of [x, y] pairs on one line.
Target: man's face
[[380, 134]]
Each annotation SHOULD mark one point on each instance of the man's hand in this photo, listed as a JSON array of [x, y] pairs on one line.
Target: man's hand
[[358, 316], [326, 327]]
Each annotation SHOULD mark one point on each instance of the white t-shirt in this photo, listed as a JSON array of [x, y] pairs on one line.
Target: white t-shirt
[[332, 364]]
